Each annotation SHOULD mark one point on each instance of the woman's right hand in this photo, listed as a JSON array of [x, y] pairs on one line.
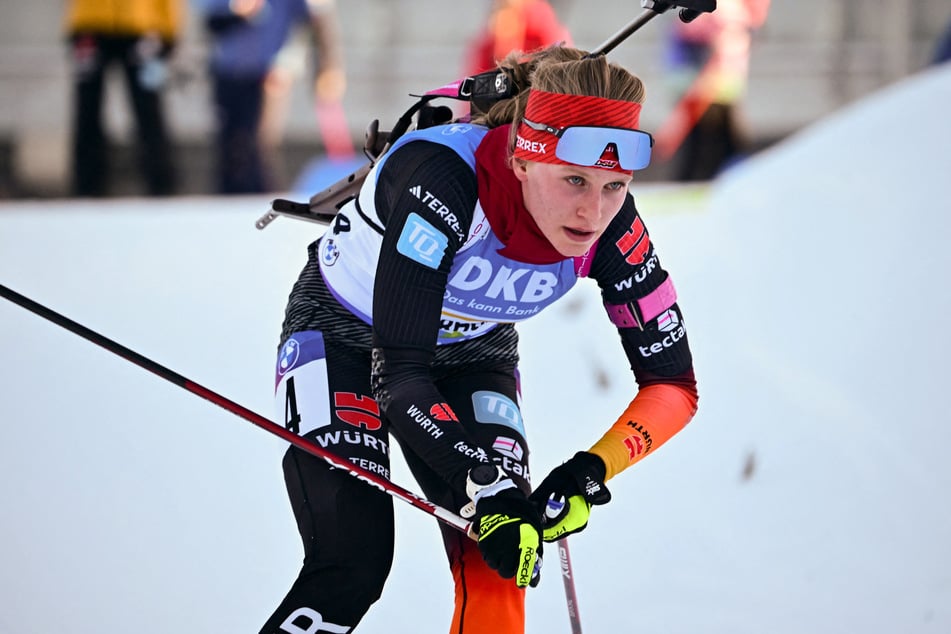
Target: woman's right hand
[[509, 528]]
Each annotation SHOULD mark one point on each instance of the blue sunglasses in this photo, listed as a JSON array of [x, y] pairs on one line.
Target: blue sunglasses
[[584, 145]]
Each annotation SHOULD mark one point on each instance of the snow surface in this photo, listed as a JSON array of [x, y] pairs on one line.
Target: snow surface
[[806, 496]]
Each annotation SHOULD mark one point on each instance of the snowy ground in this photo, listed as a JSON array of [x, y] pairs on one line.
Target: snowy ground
[[805, 496]]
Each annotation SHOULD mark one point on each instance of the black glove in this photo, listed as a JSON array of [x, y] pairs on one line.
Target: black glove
[[568, 493], [509, 526]]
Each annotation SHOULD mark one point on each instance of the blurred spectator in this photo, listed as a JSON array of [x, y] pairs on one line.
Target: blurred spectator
[[289, 66], [247, 37], [138, 35], [514, 25], [709, 68], [942, 51]]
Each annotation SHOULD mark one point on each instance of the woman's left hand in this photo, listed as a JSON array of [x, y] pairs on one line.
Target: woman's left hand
[[568, 493]]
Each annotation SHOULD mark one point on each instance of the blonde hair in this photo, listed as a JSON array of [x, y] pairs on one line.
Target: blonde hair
[[564, 70]]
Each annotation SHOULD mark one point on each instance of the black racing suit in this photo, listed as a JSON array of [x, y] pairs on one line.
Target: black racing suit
[[347, 526]]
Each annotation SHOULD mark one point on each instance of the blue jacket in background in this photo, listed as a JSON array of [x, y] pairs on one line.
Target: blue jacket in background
[[247, 47]]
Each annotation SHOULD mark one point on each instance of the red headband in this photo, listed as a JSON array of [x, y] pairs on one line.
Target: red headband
[[559, 111]]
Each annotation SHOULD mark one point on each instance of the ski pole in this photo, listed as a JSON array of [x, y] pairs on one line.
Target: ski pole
[[689, 11], [568, 578], [441, 514], [396, 491], [552, 510]]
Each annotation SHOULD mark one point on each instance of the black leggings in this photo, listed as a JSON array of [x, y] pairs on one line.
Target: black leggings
[[94, 55]]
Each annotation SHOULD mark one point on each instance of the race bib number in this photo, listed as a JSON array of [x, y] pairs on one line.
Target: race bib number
[[301, 394]]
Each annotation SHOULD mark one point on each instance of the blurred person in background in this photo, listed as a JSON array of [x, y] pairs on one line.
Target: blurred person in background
[[514, 25], [327, 91], [247, 37], [138, 36], [942, 50], [709, 61]]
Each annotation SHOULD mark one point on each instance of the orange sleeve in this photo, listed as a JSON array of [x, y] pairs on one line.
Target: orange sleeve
[[653, 417]]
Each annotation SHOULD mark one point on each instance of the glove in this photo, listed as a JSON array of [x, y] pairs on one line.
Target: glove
[[568, 493], [152, 63], [509, 526]]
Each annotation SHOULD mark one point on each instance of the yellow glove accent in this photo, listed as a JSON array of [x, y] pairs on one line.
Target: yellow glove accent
[[491, 522], [528, 553], [576, 514]]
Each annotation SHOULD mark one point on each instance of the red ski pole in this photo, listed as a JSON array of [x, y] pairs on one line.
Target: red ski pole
[[568, 578], [440, 513], [159, 370]]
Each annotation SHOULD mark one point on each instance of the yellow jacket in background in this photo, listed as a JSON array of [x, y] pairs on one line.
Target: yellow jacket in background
[[125, 17]]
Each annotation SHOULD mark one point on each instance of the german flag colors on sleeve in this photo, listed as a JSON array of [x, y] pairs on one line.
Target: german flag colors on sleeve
[[653, 417]]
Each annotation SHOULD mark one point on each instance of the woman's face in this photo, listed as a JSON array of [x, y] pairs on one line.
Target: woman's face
[[572, 205]]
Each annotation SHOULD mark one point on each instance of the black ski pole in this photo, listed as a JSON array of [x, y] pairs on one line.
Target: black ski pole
[[369, 477], [394, 490], [689, 10]]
